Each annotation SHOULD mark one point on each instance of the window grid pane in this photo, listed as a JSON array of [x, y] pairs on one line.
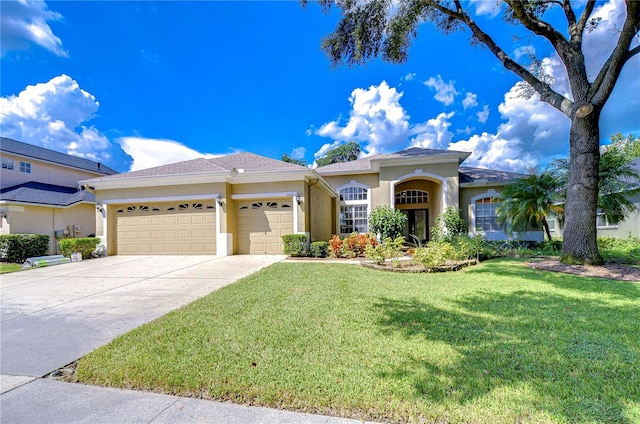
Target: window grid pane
[[486, 219], [408, 197], [353, 193], [353, 219]]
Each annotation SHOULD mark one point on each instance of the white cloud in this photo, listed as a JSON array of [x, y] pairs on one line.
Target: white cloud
[[325, 148], [52, 115], [493, 151], [470, 100], [523, 51], [483, 115], [25, 22], [486, 7], [151, 152], [433, 134], [298, 152], [376, 120], [445, 92], [410, 76]]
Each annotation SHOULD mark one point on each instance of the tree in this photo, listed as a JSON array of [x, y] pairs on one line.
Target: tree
[[369, 29], [530, 200], [387, 222], [289, 159], [629, 145], [617, 179], [344, 153]]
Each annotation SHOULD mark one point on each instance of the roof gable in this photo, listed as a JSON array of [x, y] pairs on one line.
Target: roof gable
[[28, 150], [45, 194], [250, 162]]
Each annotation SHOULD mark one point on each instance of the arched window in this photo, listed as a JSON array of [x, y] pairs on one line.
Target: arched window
[[410, 197], [486, 219], [354, 208]]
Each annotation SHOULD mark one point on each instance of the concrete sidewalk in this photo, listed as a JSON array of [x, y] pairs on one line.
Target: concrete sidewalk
[[52, 316], [49, 401]]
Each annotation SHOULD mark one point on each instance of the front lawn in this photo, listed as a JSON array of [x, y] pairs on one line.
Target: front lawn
[[497, 342], [6, 267]]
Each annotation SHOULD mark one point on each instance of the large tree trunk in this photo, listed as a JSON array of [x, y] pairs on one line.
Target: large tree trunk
[[579, 242]]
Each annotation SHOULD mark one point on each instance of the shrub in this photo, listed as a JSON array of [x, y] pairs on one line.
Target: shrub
[[84, 245], [319, 249], [355, 245], [449, 224], [294, 244], [435, 254], [620, 250], [387, 222], [17, 248], [388, 249], [335, 247]]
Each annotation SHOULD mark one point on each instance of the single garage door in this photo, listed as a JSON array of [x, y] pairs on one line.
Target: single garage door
[[185, 228], [261, 224]]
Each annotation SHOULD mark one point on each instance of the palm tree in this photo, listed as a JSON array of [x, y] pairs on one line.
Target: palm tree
[[529, 200]]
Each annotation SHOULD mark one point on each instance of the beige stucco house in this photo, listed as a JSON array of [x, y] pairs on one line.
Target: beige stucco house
[[243, 203], [40, 194]]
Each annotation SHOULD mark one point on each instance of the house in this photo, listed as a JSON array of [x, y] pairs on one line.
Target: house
[[243, 203], [40, 194], [630, 226]]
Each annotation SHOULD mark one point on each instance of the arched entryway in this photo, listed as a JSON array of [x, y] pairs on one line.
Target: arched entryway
[[419, 197]]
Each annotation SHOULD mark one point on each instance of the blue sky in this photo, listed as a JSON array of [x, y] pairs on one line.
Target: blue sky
[[140, 84]]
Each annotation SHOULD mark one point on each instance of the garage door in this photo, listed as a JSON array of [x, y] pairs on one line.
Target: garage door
[[261, 225], [166, 228]]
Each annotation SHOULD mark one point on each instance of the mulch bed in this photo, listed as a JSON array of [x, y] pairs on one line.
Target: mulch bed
[[611, 271], [410, 267]]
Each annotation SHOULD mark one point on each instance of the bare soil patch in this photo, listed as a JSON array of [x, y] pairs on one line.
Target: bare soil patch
[[610, 270]]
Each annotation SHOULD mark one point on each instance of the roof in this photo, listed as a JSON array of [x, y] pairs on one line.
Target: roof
[[45, 194], [241, 162], [366, 164], [482, 175], [28, 150]]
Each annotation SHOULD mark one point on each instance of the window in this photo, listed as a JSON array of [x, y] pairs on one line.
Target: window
[[603, 222], [409, 197], [354, 208], [353, 219], [7, 163], [353, 193], [25, 167], [486, 219]]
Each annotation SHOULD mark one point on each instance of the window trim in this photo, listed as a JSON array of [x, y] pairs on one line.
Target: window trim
[[25, 167], [8, 164], [340, 203], [607, 225], [473, 217]]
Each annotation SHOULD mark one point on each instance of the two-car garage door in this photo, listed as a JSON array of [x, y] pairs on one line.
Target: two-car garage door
[[184, 228]]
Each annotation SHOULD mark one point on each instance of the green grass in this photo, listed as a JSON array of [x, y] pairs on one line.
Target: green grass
[[8, 267], [497, 342]]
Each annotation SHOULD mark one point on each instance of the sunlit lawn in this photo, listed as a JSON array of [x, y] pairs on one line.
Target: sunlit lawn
[[497, 342], [9, 267]]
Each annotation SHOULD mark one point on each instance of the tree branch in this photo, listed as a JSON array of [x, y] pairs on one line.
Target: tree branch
[[584, 18], [538, 26], [547, 93], [605, 81]]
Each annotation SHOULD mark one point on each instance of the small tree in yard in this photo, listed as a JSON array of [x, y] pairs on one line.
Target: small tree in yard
[[386, 28], [449, 224], [387, 222]]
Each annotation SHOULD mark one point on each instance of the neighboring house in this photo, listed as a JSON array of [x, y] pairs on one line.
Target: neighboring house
[[40, 194], [630, 226], [243, 203]]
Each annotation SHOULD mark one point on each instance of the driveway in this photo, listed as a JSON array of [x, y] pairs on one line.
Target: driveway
[[54, 315]]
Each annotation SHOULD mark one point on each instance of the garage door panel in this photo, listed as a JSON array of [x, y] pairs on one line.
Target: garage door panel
[[261, 225], [166, 229]]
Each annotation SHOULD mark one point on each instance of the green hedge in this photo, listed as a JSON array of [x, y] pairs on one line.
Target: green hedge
[[294, 244], [319, 249], [84, 245], [17, 248]]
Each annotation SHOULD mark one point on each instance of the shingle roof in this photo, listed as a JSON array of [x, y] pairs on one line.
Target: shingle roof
[[364, 164], [473, 175], [254, 163], [46, 194], [36, 152], [248, 162]]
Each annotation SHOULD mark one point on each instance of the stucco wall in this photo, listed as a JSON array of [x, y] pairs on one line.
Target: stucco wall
[[45, 220], [320, 214], [42, 172]]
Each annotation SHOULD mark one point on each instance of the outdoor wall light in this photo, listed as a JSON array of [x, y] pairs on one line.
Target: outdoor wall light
[[298, 199], [219, 201]]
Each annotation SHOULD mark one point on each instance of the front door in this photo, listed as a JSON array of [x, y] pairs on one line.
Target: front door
[[417, 228]]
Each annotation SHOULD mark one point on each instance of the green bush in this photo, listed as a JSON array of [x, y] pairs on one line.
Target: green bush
[[84, 245], [449, 224], [388, 249], [435, 254], [387, 222], [319, 249], [17, 248], [620, 250], [295, 244]]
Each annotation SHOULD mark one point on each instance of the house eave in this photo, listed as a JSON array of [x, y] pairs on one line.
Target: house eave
[[376, 164], [44, 205], [484, 184], [155, 180]]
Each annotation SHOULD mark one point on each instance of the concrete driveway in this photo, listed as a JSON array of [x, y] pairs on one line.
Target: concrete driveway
[[54, 315]]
